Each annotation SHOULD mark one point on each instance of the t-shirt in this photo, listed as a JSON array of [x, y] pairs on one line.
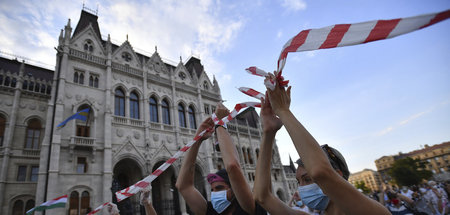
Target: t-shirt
[[402, 210], [239, 211]]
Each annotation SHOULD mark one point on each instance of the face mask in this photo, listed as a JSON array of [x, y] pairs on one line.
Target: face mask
[[300, 203], [313, 197], [219, 201]]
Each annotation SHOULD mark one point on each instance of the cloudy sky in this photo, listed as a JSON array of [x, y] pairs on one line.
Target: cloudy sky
[[367, 101]]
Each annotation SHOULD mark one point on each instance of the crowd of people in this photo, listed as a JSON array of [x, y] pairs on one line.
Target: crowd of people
[[426, 198], [322, 175]]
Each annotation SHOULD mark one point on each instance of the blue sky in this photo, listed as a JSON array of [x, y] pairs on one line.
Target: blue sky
[[367, 101]]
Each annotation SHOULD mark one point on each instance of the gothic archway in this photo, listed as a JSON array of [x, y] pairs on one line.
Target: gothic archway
[[164, 194], [126, 172]]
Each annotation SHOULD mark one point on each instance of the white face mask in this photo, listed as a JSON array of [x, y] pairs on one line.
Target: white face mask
[[219, 201]]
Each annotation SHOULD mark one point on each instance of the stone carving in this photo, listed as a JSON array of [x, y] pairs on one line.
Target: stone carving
[[119, 132], [32, 107], [22, 105], [78, 97], [136, 135], [155, 137], [69, 96], [169, 139], [128, 147], [42, 108], [9, 103]]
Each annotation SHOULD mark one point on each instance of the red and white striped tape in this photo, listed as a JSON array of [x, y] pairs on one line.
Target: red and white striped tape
[[234, 112], [137, 187], [99, 208], [251, 92], [358, 33]]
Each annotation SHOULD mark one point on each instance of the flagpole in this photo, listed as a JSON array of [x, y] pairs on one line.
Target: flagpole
[[52, 124]]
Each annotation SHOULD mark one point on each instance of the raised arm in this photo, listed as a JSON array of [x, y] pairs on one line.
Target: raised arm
[[185, 180], [262, 187], [230, 159], [316, 162]]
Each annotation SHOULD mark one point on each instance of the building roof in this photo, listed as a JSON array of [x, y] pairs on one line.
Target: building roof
[[194, 64], [248, 115], [430, 148], [87, 19], [13, 66]]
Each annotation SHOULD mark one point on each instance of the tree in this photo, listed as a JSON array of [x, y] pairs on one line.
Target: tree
[[408, 171], [362, 185]]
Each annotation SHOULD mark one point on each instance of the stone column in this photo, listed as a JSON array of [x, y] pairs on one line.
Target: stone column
[[107, 139], [9, 133]]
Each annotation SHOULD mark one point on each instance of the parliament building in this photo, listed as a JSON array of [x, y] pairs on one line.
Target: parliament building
[[142, 111]]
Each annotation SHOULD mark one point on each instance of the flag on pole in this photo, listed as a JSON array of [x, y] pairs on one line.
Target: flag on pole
[[59, 202], [81, 115]]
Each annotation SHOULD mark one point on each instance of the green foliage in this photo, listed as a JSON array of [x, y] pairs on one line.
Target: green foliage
[[362, 185], [408, 171]]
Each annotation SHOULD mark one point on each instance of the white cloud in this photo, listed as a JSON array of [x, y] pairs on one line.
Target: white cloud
[[279, 34], [204, 27], [294, 5]]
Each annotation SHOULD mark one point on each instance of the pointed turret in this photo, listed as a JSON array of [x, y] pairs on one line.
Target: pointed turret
[[291, 164], [67, 30], [60, 38], [216, 84]]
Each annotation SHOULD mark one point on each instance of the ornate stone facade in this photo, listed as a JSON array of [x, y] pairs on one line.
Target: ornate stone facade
[[143, 110]]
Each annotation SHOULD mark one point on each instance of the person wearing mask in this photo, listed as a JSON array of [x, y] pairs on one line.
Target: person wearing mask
[[322, 172], [407, 192], [297, 204], [230, 192]]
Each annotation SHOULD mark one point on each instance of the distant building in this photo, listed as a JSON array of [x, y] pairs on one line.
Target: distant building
[[437, 156], [371, 178]]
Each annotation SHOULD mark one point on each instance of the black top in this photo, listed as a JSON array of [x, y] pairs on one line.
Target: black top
[[239, 211]]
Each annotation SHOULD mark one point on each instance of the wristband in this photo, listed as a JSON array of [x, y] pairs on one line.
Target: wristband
[[219, 125]]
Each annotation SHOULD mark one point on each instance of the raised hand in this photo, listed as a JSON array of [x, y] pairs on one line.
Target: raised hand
[[270, 122], [221, 111], [206, 124], [280, 98]]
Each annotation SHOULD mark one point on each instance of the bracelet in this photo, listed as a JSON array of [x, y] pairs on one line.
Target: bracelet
[[218, 125]]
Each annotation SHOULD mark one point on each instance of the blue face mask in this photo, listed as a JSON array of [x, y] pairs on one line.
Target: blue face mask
[[313, 197], [219, 201], [300, 203]]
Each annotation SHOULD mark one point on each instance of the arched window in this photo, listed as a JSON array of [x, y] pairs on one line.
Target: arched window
[[29, 205], [81, 80], [74, 202], [18, 208], [96, 82], [37, 88], [2, 129], [119, 103], [13, 82], [205, 85], [244, 154], [91, 81], [257, 153], [43, 88], [250, 159], [88, 46], [181, 116], [49, 89], [33, 134], [75, 77], [25, 85], [134, 106], [191, 114], [165, 112], [84, 127], [84, 202], [31, 86], [7, 81], [153, 110], [1, 79]]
